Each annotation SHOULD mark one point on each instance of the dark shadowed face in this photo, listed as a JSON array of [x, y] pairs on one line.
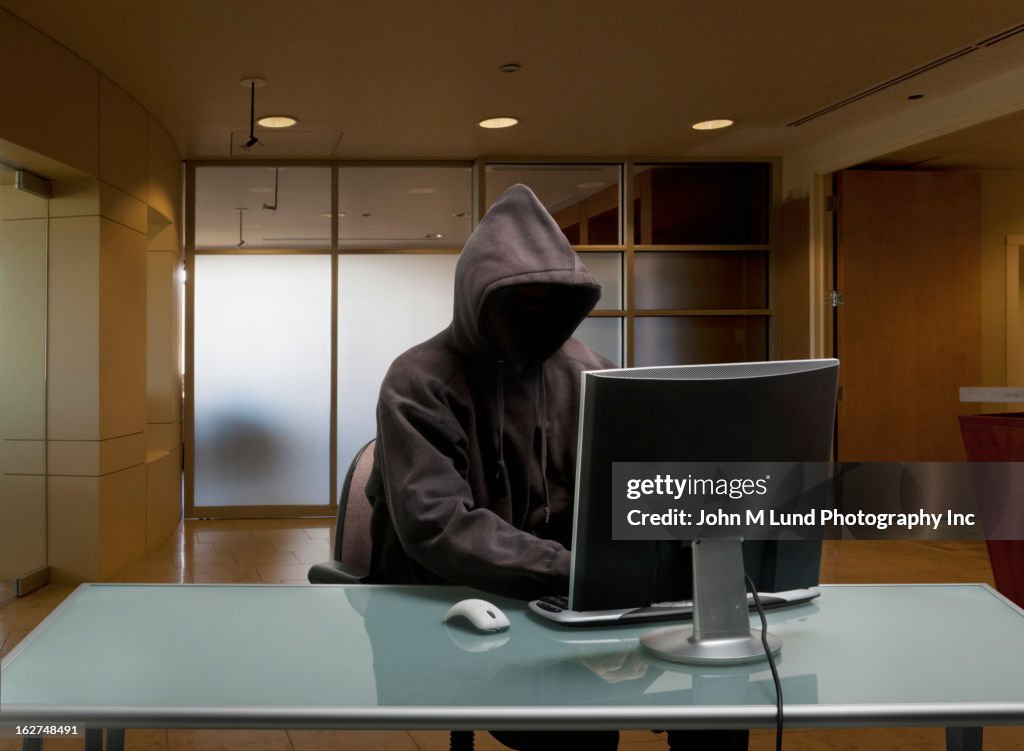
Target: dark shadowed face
[[527, 323]]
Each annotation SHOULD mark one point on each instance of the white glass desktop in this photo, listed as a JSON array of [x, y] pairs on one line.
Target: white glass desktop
[[379, 657]]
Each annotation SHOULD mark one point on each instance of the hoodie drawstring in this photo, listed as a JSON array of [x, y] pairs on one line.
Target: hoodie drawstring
[[541, 407]]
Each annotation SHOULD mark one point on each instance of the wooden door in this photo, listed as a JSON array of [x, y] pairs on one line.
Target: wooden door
[[909, 329]]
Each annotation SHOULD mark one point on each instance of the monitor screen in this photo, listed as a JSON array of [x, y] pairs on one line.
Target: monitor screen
[[738, 412]]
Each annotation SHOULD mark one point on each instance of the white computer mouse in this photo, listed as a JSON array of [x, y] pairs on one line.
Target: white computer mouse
[[477, 614]]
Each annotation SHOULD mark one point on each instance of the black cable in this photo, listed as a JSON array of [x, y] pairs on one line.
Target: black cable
[[771, 664]]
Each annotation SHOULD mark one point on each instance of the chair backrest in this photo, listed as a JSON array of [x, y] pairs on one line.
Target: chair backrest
[[352, 532]]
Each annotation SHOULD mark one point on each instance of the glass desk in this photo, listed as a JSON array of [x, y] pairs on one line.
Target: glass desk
[[379, 657]]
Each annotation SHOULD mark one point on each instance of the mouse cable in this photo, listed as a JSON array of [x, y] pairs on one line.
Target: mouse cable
[[771, 664]]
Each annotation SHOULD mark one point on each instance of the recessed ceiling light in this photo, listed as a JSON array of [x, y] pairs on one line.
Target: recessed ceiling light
[[277, 121], [461, 214], [712, 124], [261, 189], [590, 185], [499, 122], [368, 213], [435, 236], [509, 68], [328, 215], [422, 191]]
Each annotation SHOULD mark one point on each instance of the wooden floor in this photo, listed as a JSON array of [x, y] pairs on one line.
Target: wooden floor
[[276, 551]]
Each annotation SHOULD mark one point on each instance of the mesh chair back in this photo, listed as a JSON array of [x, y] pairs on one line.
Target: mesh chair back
[[352, 534]]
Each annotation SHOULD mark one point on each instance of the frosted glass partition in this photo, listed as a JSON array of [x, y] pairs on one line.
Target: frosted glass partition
[[248, 207], [700, 280], [262, 380], [603, 335], [687, 340], [606, 268], [404, 207], [583, 198], [386, 304], [701, 204]]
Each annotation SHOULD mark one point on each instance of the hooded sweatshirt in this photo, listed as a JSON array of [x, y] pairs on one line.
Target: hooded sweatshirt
[[475, 459]]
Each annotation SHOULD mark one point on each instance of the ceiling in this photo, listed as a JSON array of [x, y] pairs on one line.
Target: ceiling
[[995, 144], [410, 79]]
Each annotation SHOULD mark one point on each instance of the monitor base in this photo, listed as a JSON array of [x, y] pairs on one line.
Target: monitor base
[[677, 643]]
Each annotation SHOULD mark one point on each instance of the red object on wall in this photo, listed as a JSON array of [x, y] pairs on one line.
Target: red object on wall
[[999, 438]]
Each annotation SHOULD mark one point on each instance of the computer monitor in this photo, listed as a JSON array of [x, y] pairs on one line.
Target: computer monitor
[[739, 412]]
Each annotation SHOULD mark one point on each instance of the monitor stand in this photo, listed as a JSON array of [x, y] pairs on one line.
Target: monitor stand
[[721, 633]]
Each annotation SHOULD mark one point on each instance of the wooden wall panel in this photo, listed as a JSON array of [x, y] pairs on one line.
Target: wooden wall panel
[[791, 275]]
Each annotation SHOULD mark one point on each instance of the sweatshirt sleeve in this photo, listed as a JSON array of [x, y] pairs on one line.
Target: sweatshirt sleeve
[[434, 515]]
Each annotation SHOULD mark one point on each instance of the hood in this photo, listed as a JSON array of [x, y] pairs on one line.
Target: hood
[[520, 289]]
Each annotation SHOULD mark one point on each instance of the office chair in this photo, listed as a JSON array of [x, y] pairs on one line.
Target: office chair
[[350, 563]]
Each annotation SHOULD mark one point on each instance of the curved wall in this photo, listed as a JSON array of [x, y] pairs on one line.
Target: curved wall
[[114, 395]]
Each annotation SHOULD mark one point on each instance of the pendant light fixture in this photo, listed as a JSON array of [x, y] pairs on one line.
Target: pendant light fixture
[[252, 84], [273, 206], [241, 237]]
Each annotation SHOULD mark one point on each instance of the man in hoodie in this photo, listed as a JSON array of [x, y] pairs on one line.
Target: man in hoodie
[[476, 427], [476, 453], [475, 461]]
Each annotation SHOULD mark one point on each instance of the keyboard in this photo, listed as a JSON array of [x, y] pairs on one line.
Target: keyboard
[[556, 609]]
